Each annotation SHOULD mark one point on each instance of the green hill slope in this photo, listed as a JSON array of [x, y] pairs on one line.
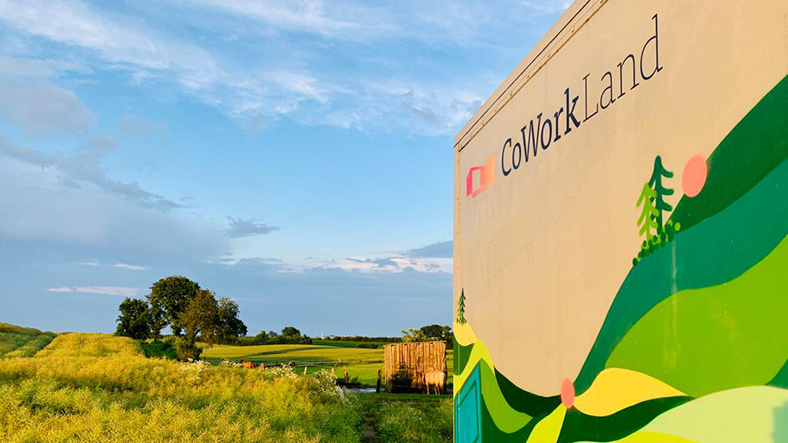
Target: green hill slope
[[716, 338], [16, 341]]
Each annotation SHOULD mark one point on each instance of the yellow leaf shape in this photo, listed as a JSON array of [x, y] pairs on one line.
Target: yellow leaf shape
[[549, 428], [464, 334], [615, 389]]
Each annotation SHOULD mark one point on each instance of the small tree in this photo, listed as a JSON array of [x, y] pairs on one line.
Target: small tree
[[134, 320], [436, 333], [660, 190], [647, 220], [461, 309], [413, 335]]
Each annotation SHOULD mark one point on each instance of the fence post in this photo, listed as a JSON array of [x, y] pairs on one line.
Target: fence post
[[377, 389]]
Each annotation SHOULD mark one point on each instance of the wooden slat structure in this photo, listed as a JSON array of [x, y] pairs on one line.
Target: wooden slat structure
[[416, 358]]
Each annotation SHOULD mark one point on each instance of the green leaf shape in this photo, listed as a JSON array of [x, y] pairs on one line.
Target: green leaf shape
[[582, 427], [524, 401], [708, 340]]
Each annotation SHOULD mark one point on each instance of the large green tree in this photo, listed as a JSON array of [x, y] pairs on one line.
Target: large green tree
[[201, 317], [169, 298], [229, 325], [289, 331], [428, 333], [134, 320]]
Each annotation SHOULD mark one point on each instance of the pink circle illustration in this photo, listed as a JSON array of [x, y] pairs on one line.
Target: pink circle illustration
[[694, 177], [567, 393]]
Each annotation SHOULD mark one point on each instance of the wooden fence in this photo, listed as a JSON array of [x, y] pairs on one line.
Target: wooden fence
[[416, 359]]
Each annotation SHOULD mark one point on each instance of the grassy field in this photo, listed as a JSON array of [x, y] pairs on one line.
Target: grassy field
[[349, 344], [406, 418], [16, 341], [100, 388], [361, 363]]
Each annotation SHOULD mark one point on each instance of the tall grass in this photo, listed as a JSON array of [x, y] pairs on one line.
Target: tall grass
[[422, 420], [16, 341], [89, 387]]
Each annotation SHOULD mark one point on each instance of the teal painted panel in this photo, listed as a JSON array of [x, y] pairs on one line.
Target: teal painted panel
[[467, 410]]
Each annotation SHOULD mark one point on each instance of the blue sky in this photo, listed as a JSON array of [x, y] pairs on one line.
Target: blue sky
[[294, 156]]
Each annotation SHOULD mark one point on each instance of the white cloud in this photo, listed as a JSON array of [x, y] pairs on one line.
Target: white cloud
[[42, 109], [547, 6], [129, 267], [75, 23], [286, 75], [122, 291], [346, 20], [433, 258], [63, 289], [118, 265]]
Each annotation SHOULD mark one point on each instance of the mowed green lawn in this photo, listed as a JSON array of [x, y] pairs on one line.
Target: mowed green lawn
[[348, 344], [360, 363]]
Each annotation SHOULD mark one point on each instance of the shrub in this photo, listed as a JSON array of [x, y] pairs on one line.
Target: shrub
[[402, 381], [159, 349], [185, 349]]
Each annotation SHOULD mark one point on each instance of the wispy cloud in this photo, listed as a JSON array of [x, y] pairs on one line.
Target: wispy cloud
[[76, 24], [84, 167], [335, 19], [118, 265], [547, 6], [442, 249], [121, 291], [315, 62], [248, 228], [432, 258]]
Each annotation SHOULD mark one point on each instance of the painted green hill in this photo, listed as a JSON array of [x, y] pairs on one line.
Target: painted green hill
[[16, 341], [717, 338], [755, 147], [715, 251]]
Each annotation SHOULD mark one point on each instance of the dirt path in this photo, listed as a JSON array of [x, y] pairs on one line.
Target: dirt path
[[369, 432]]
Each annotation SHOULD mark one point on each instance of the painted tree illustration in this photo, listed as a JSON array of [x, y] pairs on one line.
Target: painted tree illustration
[[461, 309], [648, 213], [655, 182]]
